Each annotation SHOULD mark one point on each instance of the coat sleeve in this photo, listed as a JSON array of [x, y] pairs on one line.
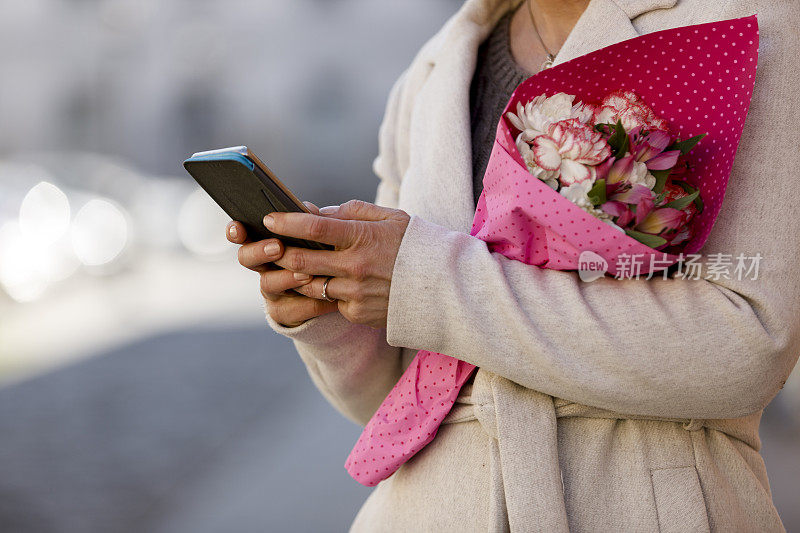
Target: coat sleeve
[[352, 365], [682, 348]]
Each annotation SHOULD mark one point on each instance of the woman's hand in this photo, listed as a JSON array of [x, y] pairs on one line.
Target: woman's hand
[[284, 305], [366, 237]]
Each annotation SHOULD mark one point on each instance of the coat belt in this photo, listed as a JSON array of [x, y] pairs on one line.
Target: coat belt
[[521, 420]]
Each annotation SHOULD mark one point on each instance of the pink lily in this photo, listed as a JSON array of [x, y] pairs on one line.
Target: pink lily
[[620, 210], [621, 170], [603, 168], [644, 208], [660, 220], [634, 195], [620, 202], [649, 149], [649, 145], [664, 160]]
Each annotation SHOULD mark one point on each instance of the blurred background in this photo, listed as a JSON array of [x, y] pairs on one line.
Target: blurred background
[[140, 389]]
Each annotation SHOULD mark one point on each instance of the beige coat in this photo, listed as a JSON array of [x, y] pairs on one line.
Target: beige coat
[[539, 443]]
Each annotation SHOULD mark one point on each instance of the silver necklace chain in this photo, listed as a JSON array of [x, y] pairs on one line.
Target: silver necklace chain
[[550, 56]]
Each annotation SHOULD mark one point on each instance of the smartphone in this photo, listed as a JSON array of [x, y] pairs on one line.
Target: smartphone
[[247, 190]]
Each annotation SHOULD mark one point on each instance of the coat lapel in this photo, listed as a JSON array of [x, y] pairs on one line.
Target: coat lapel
[[439, 176], [602, 24], [440, 172]]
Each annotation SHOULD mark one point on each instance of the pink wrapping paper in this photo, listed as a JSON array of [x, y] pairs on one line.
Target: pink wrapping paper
[[700, 78]]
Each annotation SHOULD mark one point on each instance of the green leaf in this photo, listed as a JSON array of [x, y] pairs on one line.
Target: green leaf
[[698, 201], [653, 241], [619, 142], [597, 194], [661, 179], [686, 146], [680, 203], [604, 128]]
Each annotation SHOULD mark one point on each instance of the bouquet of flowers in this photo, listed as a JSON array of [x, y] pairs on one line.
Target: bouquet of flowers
[[634, 165], [604, 172], [617, 160]]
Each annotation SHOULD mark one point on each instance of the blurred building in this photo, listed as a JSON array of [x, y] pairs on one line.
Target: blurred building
[[101, 101], [302, 82]]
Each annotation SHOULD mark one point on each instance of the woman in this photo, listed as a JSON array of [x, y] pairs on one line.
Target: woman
[[606, 406]]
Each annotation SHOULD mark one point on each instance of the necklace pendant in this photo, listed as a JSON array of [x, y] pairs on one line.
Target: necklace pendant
[[548, 62]]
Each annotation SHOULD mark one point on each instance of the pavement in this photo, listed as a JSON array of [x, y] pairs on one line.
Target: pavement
[[204, 431], [193, 431]]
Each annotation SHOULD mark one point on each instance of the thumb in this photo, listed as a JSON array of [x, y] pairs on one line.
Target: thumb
[[358, 210]]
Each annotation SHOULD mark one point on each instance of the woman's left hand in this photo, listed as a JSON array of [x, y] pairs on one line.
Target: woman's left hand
[[366, 238]]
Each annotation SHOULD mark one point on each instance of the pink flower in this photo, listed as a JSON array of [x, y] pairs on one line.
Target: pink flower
[[571, 149], [633, 195], [685, 232], [622, 200], [660, 220], [627, 107], [630, 171], [646, 154], [620, 210], [648, 148]]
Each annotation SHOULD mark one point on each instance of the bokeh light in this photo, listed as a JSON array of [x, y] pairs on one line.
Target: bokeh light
[[201, 225], [19, 275], [99, 232], [44, 214]]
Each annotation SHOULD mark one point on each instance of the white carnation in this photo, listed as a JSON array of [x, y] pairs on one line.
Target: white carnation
[[640, 176], [550, 177], [535, 117], [578, 194]]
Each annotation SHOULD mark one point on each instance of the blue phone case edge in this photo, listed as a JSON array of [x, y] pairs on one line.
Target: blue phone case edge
[[224, 156]]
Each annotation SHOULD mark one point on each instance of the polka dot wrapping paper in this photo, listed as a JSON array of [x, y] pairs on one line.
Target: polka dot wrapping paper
[[699, 78]]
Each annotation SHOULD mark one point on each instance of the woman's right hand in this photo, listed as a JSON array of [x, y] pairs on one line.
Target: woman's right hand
[[284, 305]]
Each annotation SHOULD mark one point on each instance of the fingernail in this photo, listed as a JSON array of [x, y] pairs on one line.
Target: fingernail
[[272, 249], [269, 221], [329, 209], [302, 277], [232, 232]]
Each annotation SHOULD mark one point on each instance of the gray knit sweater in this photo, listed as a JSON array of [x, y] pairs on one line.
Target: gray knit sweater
[[496, 76]]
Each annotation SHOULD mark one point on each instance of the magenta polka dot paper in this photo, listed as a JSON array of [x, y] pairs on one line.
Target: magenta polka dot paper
[[700, 78]]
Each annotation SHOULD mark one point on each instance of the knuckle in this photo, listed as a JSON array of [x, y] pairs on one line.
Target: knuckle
[[357, 313], [266, 284], [317, 227], [275, 312], [354, 206], [307, 290], [320, 306], [359, 271], [285, 312], [242, 256], [401, 216], [361, 235], [296, 262], [358, 295]]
